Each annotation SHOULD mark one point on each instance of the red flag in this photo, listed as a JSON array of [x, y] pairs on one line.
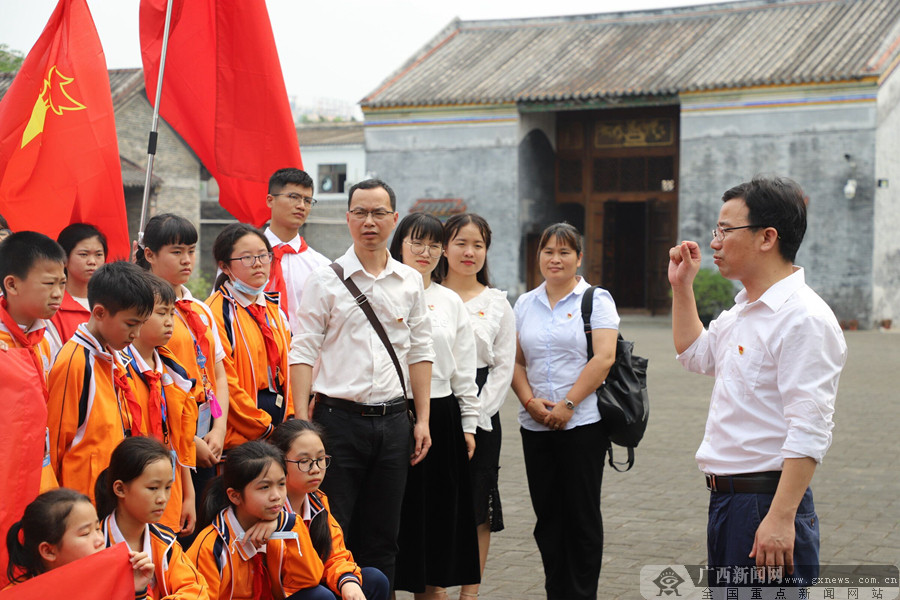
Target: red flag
[[23, 413], [59, 158], [223, 92], [107, 574]]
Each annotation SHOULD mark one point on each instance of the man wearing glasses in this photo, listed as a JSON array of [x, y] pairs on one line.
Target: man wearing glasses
[[777, 356], [359, 398], [290, 199]]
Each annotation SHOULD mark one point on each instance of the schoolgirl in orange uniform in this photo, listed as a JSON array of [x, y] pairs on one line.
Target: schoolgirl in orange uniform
[[131, 498], [255, 334]]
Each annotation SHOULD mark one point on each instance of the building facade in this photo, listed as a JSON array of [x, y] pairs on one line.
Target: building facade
[[632, 125]]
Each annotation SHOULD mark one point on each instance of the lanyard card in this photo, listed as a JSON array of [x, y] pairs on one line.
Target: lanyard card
[[204, 420]]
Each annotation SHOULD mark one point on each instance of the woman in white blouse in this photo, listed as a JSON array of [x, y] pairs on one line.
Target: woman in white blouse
[[438, 540], [562, 437], [467, 238]]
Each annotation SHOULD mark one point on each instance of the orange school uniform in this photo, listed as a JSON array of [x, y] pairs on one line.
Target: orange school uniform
[[174, 575], [42, 354], [171, 417], [253, 385], [231, 567], [340, 567], [88, 412]]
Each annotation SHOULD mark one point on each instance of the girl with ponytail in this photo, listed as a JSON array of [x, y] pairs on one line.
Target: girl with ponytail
[[59, 527], [132, 494], [251, 547], [304, 450]]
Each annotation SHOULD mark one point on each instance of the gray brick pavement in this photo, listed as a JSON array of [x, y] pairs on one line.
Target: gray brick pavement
[[656, 513]]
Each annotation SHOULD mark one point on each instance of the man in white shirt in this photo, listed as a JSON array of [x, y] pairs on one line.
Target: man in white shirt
[[777, 356], [359, 397], [290, 199]]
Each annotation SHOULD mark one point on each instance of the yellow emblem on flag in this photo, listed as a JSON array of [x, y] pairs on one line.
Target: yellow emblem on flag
[[741, 350], [53, 97]]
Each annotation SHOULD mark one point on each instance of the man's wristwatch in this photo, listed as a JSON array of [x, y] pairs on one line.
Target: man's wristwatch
[[569, 404]]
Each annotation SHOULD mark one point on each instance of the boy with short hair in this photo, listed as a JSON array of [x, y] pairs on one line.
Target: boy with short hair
[[290, 200], [92, 406], [168, 399]]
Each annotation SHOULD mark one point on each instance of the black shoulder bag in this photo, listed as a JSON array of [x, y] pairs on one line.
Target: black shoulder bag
[[622, 399]]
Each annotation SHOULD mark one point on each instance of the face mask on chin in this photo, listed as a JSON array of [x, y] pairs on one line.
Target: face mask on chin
[[245, 289]]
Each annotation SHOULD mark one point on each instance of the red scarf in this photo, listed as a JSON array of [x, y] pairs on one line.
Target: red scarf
[[134, 409], [262, 589], [154, 410], [272, 355], [197, 327], [276, 277], [29, 340]]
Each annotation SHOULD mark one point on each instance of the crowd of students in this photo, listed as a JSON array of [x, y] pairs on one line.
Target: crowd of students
[[175, 417]]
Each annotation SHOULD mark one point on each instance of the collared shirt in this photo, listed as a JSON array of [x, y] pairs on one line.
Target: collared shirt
[[777, 362], [116, 535], [453, 371], [494, 325], [555, 347], [354, 364], [296, 268]]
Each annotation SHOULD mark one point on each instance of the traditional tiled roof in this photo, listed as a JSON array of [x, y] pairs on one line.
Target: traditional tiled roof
[[134, 175], [649, 53], [121, 82], [439, 207], [330, 134]]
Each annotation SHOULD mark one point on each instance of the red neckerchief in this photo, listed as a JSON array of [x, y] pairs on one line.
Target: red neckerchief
[[134, 409], [29, 340], [154, 408], [262, 589], [258, 313], [196, 325], [276, 278]]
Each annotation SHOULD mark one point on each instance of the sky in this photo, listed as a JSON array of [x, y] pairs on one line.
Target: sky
[[341, 49]]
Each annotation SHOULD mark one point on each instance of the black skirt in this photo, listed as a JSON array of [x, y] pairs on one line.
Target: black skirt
[[438, 540], [485, 468]]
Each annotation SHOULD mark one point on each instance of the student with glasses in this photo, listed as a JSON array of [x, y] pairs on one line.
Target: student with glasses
[[438, 541], [360, 400], [255, 335], [290, 199]]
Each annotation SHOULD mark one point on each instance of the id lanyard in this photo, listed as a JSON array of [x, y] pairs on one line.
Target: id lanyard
[[208, 394]]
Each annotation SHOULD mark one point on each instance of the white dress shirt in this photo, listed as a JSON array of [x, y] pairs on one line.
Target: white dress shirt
[[354, 364], [555, 347], [495, 343], [296, 268], [453, 371], [777, 362]]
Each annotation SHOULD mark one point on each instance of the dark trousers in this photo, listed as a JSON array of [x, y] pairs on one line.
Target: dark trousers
[[565, 470], [366, 480], [734, 519], [374, 586]]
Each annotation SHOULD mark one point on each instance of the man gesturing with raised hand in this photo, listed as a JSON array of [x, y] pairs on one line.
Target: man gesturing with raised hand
[[777, 356]]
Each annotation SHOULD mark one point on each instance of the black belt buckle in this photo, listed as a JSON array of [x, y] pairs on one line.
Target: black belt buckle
[[368, 412], [711, 483]]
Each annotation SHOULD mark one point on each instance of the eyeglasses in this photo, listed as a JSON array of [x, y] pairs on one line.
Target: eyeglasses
[[719, 232], [361, 214], [434, 250], [249, 261], [296, 198], [306, 464]]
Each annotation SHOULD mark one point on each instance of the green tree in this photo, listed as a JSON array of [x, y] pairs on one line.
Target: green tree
[[10, 60]]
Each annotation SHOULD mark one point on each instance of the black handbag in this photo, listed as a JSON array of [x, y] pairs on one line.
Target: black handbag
[[622, 399]]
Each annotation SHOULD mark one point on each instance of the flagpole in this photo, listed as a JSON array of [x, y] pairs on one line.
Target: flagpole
[[151, 145]]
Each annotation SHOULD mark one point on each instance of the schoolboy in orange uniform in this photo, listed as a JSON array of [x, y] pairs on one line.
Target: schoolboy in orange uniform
[[32, 278], [92, 406], [167, 396]]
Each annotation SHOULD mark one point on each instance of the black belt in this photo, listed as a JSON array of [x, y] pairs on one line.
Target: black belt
[[366, 410], [750, 483]]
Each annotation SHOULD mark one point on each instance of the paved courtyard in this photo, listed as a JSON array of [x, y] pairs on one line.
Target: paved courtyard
[[656, 513]]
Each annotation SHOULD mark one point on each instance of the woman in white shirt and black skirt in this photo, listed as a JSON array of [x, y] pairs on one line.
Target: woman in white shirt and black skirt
[[438, 540]]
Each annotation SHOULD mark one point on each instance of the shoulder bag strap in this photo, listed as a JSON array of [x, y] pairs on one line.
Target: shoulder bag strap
[[587, 307], [363, 303]]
